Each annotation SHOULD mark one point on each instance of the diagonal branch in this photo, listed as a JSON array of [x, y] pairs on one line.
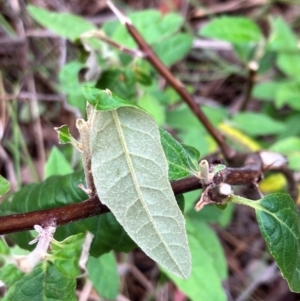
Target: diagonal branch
[[227, 151]]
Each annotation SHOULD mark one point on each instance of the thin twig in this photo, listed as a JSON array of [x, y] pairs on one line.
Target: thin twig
[[227, 151]]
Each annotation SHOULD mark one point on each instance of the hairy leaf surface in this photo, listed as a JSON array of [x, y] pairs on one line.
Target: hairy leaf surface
[[131, 177]]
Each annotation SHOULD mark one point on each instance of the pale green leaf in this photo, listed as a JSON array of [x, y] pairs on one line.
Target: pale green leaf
[[103, 272], [4, 186], [288, 94], [232, 29], [266, 91], [180, 162], [153, 107], [66, 25], [57, 164], [257, 124], [204, 282], [131, 177]]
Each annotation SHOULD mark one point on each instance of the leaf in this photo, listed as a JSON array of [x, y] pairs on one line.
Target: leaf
[[279, 222], [153, 107], [210, 243], [66, 254], [233, 30], [103, 100], [69, 84], [64, 135], [204, 282], [4, 186], [152, 25], [180, 163], [104, 275], [266, 91], [120, 81], [131, 178], [44, 283], [66, 25], [174, 49], [257, 124], [57, 164]]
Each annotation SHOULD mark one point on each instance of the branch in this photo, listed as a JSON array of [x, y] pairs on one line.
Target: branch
[[227, 151], [91, 207]]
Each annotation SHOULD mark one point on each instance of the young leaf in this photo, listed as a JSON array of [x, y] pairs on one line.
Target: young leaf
[[103, 100], [180, 163], [233, 30], [57, 164], [66, 25], [103, 273], [4, 186], [255, 124], [279, 222], [46, 283], [131, 177]]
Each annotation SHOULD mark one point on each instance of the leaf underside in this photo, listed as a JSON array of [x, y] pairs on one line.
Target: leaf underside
[[131, 177]]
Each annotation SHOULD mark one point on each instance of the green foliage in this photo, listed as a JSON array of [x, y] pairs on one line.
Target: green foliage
[[57, 164], [233, 30], [4, 186], [103, 273], [66, 25], [44, 283]]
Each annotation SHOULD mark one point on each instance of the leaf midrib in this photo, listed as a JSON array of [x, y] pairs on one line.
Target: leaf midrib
[[136, 184]]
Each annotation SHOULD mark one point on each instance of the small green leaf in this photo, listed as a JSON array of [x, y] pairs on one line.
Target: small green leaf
[[180, 162], [69, 84], [218, 168], [233, 30], [4, 248], [103, 100], [4, 186], [57, 164], [153, 107], [66, 25], [103, 272], [66, 255], [64, 135], [44, 283], [152, 25], [288, 94], [174, 49], [279, 222], [286, 146], [257, 124], [266, 91], [211, 244], [120, 81]]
